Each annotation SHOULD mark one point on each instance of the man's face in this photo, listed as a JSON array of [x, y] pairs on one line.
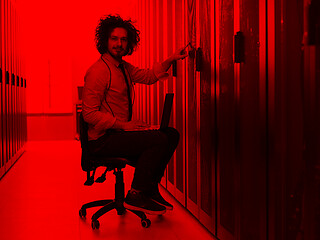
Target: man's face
[[118, 43]]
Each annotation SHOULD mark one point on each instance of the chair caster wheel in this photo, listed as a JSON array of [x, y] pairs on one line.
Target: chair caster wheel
[[82, 213], [95, 224], [145, 223]]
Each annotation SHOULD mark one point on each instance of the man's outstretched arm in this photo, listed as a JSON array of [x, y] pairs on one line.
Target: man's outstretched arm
[[179, 54]]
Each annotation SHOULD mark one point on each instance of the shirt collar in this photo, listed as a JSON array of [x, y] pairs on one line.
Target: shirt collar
[[108, 57]]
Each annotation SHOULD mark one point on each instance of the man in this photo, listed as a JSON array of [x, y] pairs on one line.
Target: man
[[107, 108]]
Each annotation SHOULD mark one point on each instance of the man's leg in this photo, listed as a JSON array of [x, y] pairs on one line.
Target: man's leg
[[173, 140], [149, 151]]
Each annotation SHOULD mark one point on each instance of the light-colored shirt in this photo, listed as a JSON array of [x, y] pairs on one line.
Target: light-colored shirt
[[105, 98]]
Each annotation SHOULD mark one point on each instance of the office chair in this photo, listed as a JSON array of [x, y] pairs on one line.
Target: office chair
[[89, 163]]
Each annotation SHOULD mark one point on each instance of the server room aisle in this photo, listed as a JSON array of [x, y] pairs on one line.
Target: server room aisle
[[42, 193]]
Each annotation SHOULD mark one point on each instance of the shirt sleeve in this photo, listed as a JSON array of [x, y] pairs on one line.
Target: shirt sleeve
[[94, 89], [147, 76]]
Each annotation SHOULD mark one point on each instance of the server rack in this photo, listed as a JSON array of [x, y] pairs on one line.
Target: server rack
[[247, 108], [12, 90]]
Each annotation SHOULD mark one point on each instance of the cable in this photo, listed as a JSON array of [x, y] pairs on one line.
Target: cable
[[105, 95]]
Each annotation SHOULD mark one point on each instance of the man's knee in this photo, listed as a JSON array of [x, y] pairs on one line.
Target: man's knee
[[162, 139], [173, 135]]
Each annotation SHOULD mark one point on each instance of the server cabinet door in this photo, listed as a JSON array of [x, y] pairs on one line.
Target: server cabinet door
[[18, 132], [207, 111], [226, 122], [153, 59], [9, 82], [154, 48], [144, 53], [162, 54], [311, 100], [14, 71], [191, 119], [10, 92], [251, 120], [241, 103], [179, 74], [7, 118], [293, 120], [13, 109], [176, 84], [12, 85], [24, 110], [170, 33], [5, 82], [3, 87]]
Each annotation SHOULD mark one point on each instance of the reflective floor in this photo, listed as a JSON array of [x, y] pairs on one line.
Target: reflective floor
[[41, 195]]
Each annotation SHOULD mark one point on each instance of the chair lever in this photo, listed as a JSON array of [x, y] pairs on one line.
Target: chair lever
[[102, 178], [90, 178]]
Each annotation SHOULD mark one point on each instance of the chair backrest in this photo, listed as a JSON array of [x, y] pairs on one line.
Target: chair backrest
[[83, 132], [86, 161]]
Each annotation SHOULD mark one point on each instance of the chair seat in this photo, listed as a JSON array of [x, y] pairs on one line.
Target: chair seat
[[110, 162]]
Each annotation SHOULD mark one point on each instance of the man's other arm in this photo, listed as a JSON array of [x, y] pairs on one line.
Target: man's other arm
[[93, 94]]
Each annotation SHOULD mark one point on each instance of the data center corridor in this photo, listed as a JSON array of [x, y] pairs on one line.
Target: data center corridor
[[44, 191]]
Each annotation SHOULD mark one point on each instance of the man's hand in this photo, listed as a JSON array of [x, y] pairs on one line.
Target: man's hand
[[181, 53], [134, 125], [131, 125]]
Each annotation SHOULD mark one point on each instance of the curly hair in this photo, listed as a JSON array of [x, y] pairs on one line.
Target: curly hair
[[107, 25]]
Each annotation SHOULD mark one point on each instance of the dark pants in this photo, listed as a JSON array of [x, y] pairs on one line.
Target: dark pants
[[148, 151]]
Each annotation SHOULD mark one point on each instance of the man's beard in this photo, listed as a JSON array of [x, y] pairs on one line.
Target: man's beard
[[118, 54]]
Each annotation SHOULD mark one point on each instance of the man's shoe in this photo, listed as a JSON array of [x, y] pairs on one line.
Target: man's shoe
[[156, 197], [138, 201]]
